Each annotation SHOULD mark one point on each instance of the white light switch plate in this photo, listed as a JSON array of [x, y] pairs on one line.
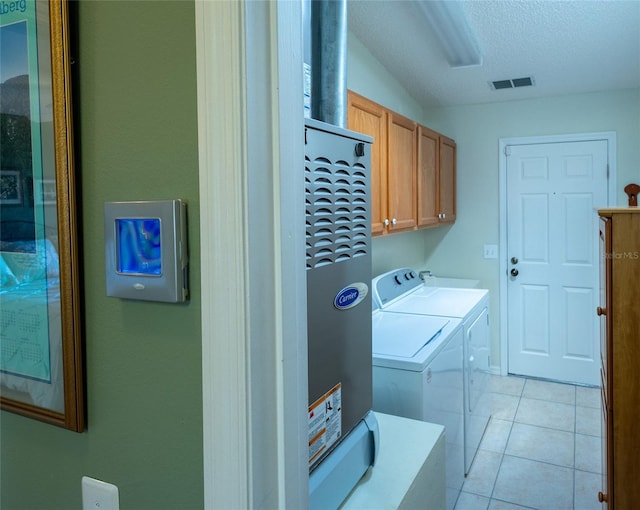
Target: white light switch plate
[[490, 251], [98, 495]]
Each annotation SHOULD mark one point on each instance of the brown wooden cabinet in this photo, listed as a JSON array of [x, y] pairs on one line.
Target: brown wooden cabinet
[[428, 177], [619, 311], [436, 178], [393, 164], [447, 184], [413, 169], [401, 173], [369, 118]]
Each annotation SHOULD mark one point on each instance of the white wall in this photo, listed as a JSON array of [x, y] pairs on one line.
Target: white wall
[[457, 250], [366, 76], [477, 130]]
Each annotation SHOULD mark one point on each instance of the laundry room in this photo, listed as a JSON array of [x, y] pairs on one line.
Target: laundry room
[[457, 249], [392, 67]]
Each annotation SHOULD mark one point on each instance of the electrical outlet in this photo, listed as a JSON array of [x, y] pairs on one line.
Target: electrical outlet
[[490, 251], [98, 495]]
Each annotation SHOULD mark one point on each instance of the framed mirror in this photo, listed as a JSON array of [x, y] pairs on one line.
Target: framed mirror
[[41, 361]]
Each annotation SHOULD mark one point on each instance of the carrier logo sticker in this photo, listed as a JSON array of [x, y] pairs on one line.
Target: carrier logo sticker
[[351, 296]]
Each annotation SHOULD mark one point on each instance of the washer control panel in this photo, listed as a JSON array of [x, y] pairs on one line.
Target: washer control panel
[[391, 285]]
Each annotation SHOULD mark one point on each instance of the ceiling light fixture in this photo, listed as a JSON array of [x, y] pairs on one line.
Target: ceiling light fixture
[[450, 24]]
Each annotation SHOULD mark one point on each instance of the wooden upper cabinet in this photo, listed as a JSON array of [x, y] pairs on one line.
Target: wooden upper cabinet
[[436, 178], [447, 180], [413, 169], [369, 118], [428, 176], [402, 158]]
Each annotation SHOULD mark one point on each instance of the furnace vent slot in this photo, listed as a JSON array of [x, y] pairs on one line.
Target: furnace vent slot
[[336, 210]]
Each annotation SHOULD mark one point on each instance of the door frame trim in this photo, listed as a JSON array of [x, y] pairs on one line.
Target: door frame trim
[[253, 280], [610, 138]]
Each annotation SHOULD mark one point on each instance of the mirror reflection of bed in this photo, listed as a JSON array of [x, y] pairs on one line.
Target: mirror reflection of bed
[[30, 319]]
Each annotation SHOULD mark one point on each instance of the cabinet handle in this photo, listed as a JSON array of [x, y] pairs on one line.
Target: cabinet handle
[[601, 311], [394, 221], [602, 497], [386, 222]]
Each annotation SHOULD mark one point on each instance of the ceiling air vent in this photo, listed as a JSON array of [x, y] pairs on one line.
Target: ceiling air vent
[[527, 81]]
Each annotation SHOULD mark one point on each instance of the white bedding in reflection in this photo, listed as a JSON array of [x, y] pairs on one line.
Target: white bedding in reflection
[[30, 342]]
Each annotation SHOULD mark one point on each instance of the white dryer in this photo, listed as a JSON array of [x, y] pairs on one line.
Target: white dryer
[[401, 291], [417, 373]]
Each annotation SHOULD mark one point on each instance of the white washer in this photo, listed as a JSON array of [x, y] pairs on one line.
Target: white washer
[[417, 373], [400, 291]]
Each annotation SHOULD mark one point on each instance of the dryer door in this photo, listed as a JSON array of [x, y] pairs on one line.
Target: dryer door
[[478, 361], [478, 411]]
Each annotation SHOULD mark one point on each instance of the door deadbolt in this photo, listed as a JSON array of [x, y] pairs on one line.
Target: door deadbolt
[[514, 260]]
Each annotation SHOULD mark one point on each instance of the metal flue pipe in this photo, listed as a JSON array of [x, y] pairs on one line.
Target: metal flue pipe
[[329, 61]]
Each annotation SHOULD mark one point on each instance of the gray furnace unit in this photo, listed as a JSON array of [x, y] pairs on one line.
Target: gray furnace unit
[[342, 428]]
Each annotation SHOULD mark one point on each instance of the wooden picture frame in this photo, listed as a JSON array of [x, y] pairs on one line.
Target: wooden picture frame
[[41, 360]]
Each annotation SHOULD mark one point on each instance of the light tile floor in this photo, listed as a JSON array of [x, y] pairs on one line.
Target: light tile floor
[[541, 449]]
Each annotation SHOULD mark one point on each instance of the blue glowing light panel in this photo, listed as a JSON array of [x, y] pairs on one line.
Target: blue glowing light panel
[[139, 246]]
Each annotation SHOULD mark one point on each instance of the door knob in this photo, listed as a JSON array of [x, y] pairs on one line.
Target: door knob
[[514, 260], [514, 272]]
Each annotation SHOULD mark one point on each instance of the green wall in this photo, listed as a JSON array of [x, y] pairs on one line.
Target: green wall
[[137, 133]]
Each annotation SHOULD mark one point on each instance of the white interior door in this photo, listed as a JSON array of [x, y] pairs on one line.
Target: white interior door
[[553, 190]]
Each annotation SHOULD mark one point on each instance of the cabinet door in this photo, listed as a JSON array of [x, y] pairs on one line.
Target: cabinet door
[[369, 118], [428, 176], [402, 155], [447, 180], [606, 492]]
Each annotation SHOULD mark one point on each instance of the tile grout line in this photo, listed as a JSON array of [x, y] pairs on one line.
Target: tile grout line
[[506, 444]]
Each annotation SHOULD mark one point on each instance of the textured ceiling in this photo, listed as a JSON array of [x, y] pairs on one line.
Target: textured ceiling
[[567, 47]]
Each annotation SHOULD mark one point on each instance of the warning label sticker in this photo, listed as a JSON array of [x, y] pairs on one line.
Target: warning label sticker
[[325, 422]]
